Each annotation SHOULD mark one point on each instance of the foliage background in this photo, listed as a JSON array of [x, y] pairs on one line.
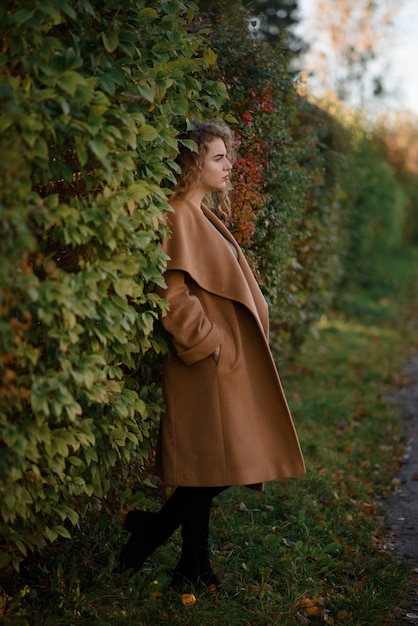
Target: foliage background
[[92, 97]]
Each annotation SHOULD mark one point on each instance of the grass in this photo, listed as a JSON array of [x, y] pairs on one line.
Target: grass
[[312, 550]]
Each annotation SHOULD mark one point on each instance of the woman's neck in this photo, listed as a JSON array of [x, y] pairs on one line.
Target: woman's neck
[[194, 197]]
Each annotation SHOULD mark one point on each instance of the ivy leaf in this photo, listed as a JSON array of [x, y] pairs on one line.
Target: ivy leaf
[[110, 41], [209, 57], [69, 81], [147, 132]]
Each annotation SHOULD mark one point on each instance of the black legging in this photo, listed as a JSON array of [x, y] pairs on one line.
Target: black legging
[[183, 503]]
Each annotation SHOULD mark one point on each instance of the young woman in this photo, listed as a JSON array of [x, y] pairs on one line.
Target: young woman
[[227, 421]]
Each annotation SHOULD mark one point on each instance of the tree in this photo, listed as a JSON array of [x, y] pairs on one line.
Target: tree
[[397, 137], [270, 19], [274, 18], [351, 36]]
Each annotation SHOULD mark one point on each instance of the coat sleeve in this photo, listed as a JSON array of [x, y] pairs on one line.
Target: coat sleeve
[[195, 337]]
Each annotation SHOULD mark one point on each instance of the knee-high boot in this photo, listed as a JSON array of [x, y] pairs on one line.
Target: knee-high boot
[[194, 564], [150, 530], [146, 536]]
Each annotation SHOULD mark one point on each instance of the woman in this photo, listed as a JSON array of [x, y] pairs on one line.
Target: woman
[[227, 421]]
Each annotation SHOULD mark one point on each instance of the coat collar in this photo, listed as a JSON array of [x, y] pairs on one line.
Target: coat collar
[[198, 245]]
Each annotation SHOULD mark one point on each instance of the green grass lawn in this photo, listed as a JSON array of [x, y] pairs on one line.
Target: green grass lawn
[[312, 550]]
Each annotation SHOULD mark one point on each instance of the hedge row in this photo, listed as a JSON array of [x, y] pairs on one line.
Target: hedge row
[[93, 94]]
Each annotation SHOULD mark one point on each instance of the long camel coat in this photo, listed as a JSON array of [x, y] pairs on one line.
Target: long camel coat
[[226, 423]]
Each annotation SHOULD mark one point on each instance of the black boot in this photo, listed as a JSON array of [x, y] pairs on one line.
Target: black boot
[[135, 520], [150, 530], [146, 536], [194, 566]]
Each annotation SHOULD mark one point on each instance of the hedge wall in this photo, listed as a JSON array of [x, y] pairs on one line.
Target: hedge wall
[[92, 95]]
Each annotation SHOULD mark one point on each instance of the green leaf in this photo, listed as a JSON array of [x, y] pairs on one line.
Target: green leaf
[[90, 455], [99, 148], [73, 409], [5, 559], [75, 460], [21, 16], [61, 531], [209, 57], [162, 47], [110, 41], [82, 154], [69, 81], [138, 191], [190, 144], [147, 15], [146, 91], [147, 133], [51, 534]]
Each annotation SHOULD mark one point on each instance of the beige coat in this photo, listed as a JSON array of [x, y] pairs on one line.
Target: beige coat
[[226, 423]]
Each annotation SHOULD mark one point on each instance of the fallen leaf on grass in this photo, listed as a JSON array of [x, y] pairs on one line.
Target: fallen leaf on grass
[[188, 599], [288, 543], [312, 611], [312, 607], [343, 615], [311, 602], [213, 588], [368, 507], [359, 413]]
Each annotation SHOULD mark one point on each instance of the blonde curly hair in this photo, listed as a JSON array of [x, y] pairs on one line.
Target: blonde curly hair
[[190, 162]]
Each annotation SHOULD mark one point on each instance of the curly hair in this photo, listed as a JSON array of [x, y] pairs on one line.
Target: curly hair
[[191, 162]]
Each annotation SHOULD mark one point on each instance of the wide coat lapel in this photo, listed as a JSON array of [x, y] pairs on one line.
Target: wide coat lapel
[[198, 246]]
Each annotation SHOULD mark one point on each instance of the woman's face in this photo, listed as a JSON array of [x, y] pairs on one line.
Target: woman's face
[[215, 168]]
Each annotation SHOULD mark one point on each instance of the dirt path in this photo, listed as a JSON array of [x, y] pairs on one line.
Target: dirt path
[[403, 505]]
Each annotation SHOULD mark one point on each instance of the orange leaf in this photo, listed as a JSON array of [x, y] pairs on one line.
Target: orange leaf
[[343, 615], [307, 602], [313, 610], [188, 599]]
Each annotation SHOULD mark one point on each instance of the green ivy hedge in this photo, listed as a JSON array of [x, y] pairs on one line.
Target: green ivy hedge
[[92, 95]]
